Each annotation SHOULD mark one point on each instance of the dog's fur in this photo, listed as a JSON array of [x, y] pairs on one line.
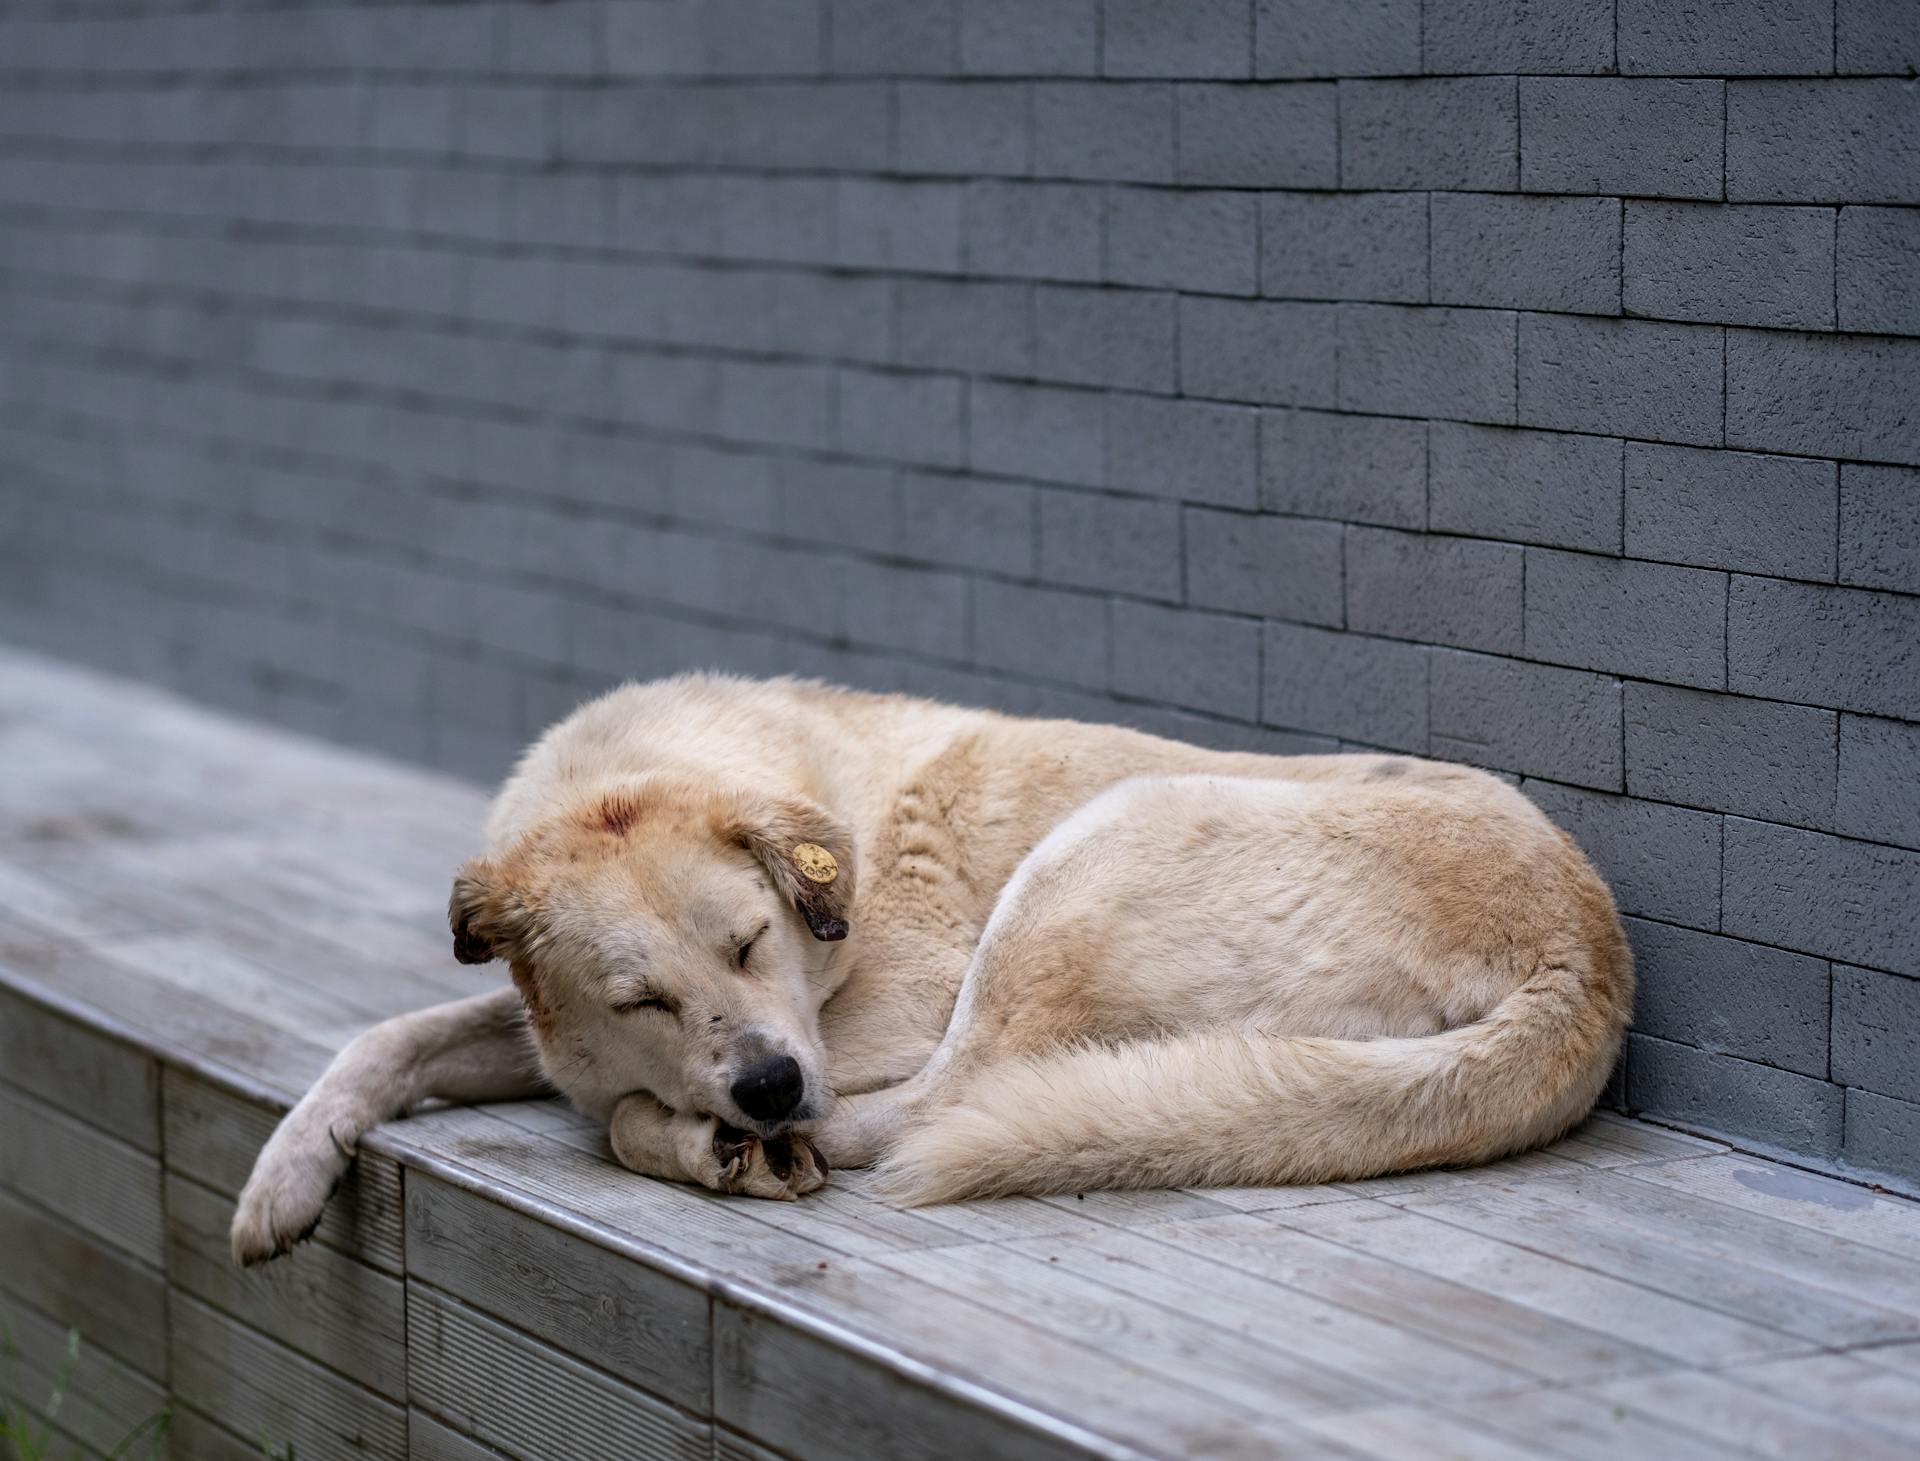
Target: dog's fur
[[1050, 957]]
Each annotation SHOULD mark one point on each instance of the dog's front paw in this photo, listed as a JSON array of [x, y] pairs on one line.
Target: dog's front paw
[[777, 1167], [283, 1200]]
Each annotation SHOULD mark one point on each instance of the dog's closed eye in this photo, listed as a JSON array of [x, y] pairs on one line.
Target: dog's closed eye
[[645, 1002]]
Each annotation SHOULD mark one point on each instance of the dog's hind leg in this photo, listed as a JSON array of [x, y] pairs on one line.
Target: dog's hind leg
[[469, 1050]]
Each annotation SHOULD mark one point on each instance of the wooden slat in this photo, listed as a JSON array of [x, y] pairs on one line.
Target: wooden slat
[[430, 1439], [258, 1388], [1841, 1384], [105, 1186], [1757, 1418], [1630, 1312], [316, 1300], [1825, 1204], [214, 1136], [638, 1323], [104, 1401], [198, 1437], [1577, 1425], [530, 1400], [729, 1447], [1605, 1140], [1416, 1433], [118, 1303], [770, 1379], [88, 1076]]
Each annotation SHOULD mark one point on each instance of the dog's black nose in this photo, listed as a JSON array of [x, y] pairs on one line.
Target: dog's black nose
[[771, 1088]]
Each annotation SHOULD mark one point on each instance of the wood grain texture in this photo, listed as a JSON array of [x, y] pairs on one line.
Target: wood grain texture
[[640, 1324], [103, 1082], [316, 1300], [528, 1399], [100, 1184], [431, 1439], [104, 1401], [258, 1388], [118, 1303], [213, 1137]]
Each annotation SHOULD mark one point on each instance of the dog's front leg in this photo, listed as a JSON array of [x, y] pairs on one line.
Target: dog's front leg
[[654, 1141], [469, 1050]]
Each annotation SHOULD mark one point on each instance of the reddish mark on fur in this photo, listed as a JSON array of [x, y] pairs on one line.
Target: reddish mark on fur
[[617, 815]]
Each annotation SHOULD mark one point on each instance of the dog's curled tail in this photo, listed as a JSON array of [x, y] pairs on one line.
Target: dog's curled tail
[[1229, 1108]]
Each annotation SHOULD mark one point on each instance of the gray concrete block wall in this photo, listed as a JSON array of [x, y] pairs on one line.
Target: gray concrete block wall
[[1536, 385]]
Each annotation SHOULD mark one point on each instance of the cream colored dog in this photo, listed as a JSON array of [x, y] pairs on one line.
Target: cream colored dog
[[761, 927]]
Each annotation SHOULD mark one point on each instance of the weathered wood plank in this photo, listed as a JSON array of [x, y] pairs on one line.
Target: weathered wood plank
[[105, 1186], [104, 1401], [1388, 1360], [1755, 1418], [213, 1137], [619, 1315], [1633, 1313], [1415, 1433], [98, 1080], [257, 1387], [530, 1400], [430, 1439], [118, 1303], [1825, 1204], [316, 1300], [1842, 1385], [1904, 1357], [729, 1447], [1576, 1425], [198, 1437], [1606, 1140], [769, 1380]]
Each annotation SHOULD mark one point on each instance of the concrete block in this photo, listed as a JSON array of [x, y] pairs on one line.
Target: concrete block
[[1626, 377], [1246, 350], [967, 325], [1344, 246], [1104, 337], [1722, 509], [1842, 647], [1527, 253], [1310, 38], [1126, 545], [1536, 719], [1285, 135], [841, 316], [1457, 591], [1879, 792], [880, 223], [1877, 37], [507, 122], [1824, 395], [915, 419], [1604, 134], [1733, 1097], [1019, 38], [1046, 432], [841, 504], [1755, 758], [1202, 241], [1530, 486], [1369, 469], [1103, 130], [964, 127], [1726, 38], [1203, 38], [1880, 527], [1879, 270], [968, 523], [1725, 997], [1192, 450], [1200, 661], [1626, 617], [1404, 361], [919, 610], [1373, 691], [1559, 37], [888, 38], [1852, 901], [1833, 141], [1882, 1137], [1876, 1032], [1729, 264], [1451, 132], [1274, 567], [1033, 230], [1050, 634], [1661, 862]]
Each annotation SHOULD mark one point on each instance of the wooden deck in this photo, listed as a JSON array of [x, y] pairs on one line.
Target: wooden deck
[[194, 913]]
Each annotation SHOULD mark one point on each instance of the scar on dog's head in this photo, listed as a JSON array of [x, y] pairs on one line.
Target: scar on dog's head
[[806, 852]]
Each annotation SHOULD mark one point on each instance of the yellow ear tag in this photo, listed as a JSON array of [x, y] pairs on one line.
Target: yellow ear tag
[[816, 864]]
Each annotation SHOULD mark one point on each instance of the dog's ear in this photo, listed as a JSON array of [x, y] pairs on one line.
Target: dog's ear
[[487, 917], [807, 852]]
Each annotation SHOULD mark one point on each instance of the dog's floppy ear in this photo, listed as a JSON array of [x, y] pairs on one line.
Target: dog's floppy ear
[[807, 852], [487, 918]]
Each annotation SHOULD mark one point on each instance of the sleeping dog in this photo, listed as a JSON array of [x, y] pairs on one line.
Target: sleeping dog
[[766, 928]]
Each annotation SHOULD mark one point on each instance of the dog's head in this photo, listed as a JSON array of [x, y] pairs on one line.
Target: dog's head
[[674, 937]]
